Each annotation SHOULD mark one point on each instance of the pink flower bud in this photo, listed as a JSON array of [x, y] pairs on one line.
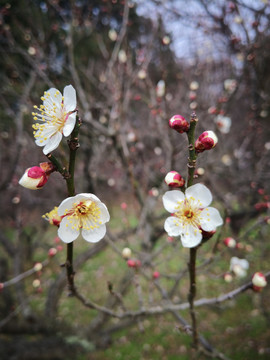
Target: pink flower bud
[[133, 263], [230, 242], [228, 277], [1, 286], [156, 274], [52, 252], [174, 179], [258, 281], [34, 178], [179, 123], [239, 246], [206, 141]]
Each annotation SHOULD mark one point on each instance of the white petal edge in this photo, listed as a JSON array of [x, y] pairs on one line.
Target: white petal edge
[[201, 193], [171, 198], [66, 205], [191, 237], [55, 99], [66, 233], [95, 235], [170, 226], [69, 124], [210, 219], [70, 101], [52, 143]]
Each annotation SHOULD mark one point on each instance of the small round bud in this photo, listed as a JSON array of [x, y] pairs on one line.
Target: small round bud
[[179, 123], [38, 267], [52, 252], [133, 263], [123, 206], [160, 88], [228, 277], [34, 178], [36, 283], [156, 274], [1, 286], [126, 253], [258, 281], [206, 141], [59, 247], [229, 242], [174, 179]]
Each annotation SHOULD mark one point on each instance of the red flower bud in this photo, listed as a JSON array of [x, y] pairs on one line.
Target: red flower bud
[[179, 123], [174, 179], [133, 263], [156, 274], [258, 281], [206, 141], [230, 242], [52, 252]]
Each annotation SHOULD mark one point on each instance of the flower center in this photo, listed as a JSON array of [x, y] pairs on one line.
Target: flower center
[[188, 212], [52, 116], [84, 215]]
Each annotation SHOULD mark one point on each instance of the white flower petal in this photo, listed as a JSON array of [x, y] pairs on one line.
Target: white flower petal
[[65, 231], [70, 101], [170, 226], [69, 124], [66, 205], [190, 236], [54, 99], [52, 143], [210, 219], [200, 193], [94, 235], [104, 215], [171, 198]]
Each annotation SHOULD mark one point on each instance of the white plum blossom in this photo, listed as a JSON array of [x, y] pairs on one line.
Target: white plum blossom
[[83, 213], [239, 266], [223, 123], [56, 117], [190, 214]]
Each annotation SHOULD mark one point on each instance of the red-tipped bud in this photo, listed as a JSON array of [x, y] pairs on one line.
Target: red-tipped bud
[[240, 246], [156, 274], [206, 141], [262, 206], [1, 286], [34, 178], [52, 252], [174, 179], [229, 242], [133, 263], [258, 281], [228, 277], [179, 123]]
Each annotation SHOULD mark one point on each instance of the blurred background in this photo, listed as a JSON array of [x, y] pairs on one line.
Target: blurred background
[[135, 64]]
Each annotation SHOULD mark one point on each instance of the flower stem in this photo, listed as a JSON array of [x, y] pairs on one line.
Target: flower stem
[[193, 251], [73, 146], [192, 153], [192, 294]]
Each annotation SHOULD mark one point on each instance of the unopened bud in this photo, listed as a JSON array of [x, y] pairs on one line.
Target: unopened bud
[[1, 286], [230, 242], [52, 252], [258, 281], [36, 283], [228, 277], [38, 267], [160, 88], [179, 123], [34, 178], [126, 253], [133, 263], [156, 274], [206, 141], [174, 179]]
